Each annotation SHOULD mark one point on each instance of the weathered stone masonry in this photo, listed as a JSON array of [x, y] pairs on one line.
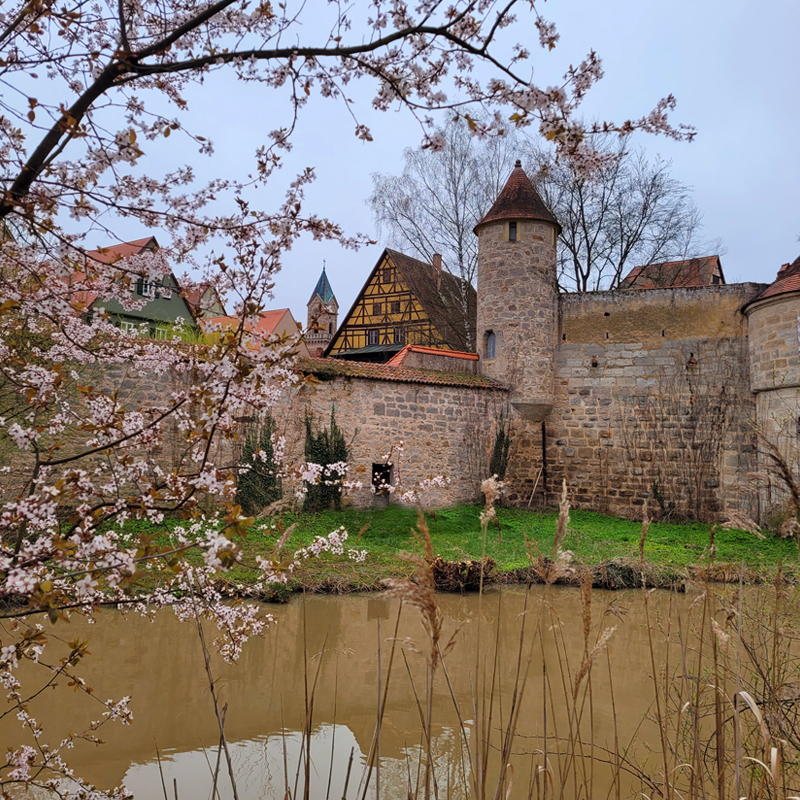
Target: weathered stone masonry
[[651, 401], [658, 395], [446, 428], [664, 396]]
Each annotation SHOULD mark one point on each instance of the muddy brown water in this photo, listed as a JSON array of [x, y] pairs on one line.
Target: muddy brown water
[[160, 665]]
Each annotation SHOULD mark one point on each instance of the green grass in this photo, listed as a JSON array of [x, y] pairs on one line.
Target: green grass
[[593, 538]]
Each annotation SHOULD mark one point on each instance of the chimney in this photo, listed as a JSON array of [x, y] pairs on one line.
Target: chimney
[[780, 271], [437, 265]]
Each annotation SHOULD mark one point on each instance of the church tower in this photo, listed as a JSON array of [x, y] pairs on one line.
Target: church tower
[[323, 315], [518, 295]]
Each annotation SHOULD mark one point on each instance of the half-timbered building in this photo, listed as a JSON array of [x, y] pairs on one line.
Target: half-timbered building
[[406, 301]]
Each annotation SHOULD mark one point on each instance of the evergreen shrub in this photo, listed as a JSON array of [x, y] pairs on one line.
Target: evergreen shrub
[[259, 486], [325, 448]]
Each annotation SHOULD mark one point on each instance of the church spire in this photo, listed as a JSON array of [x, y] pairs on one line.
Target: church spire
[[323, 316], [323, 288]]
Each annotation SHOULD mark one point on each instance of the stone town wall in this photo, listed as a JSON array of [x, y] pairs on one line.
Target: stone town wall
[[444, 430], [651, 402], [134, 387]]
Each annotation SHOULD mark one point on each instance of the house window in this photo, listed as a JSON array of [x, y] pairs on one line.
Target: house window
[[491, 344], [399, 336], [160, 332], [512, 231], [395, 306], [126, 326], [372, 336], [145, 288], [377, 309], [387, 274]]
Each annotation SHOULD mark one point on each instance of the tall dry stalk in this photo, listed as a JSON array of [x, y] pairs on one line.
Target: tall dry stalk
[[420, 593]]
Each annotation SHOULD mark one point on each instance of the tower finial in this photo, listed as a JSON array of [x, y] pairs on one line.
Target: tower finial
[[518, 164]]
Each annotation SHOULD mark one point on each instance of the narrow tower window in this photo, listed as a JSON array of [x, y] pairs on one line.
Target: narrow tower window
[[490, 344], [512, 231]]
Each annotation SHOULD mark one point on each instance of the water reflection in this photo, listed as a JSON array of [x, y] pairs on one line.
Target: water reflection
[[160, 664]]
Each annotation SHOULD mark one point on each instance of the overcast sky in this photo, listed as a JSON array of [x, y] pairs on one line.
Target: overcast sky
[[733, 66]]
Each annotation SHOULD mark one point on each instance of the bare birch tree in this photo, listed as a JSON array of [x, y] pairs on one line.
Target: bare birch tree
[[438, 199], [629, 212]]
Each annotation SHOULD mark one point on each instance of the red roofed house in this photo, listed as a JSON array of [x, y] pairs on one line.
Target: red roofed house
[[165, 305], [692, 272], [276, 322], [204, 301]]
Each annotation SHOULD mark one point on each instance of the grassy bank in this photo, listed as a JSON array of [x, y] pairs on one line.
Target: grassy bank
[[672, 551]]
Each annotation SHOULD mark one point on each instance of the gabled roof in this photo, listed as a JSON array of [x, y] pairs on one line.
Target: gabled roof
[[268, 321], [323, 289], [441, 296], [195, 297], [518, 200], [690, 273], [787, 280], [410, 349], [438, 292], [110, 255], [116, 252]]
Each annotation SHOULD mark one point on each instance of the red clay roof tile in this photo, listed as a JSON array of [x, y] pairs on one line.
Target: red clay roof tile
[[788, 280], [518, 200], [397, 361], [329, 368], [690, 273], [115, 252]]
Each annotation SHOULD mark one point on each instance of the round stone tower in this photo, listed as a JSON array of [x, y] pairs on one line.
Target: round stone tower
[[773, 337], [518, 295]]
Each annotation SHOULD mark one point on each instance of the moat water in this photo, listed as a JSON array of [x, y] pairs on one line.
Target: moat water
[[339, 648]]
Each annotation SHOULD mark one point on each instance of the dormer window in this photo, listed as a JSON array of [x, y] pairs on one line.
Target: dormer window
[[512, 231], [145, 288]]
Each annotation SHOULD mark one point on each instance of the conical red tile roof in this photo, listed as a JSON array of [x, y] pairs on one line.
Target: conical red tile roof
[[518, 200], [788, 280]]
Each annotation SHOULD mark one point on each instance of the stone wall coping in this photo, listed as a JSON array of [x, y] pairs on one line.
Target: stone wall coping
[[658, 295], [331, 368], [774, 299]]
